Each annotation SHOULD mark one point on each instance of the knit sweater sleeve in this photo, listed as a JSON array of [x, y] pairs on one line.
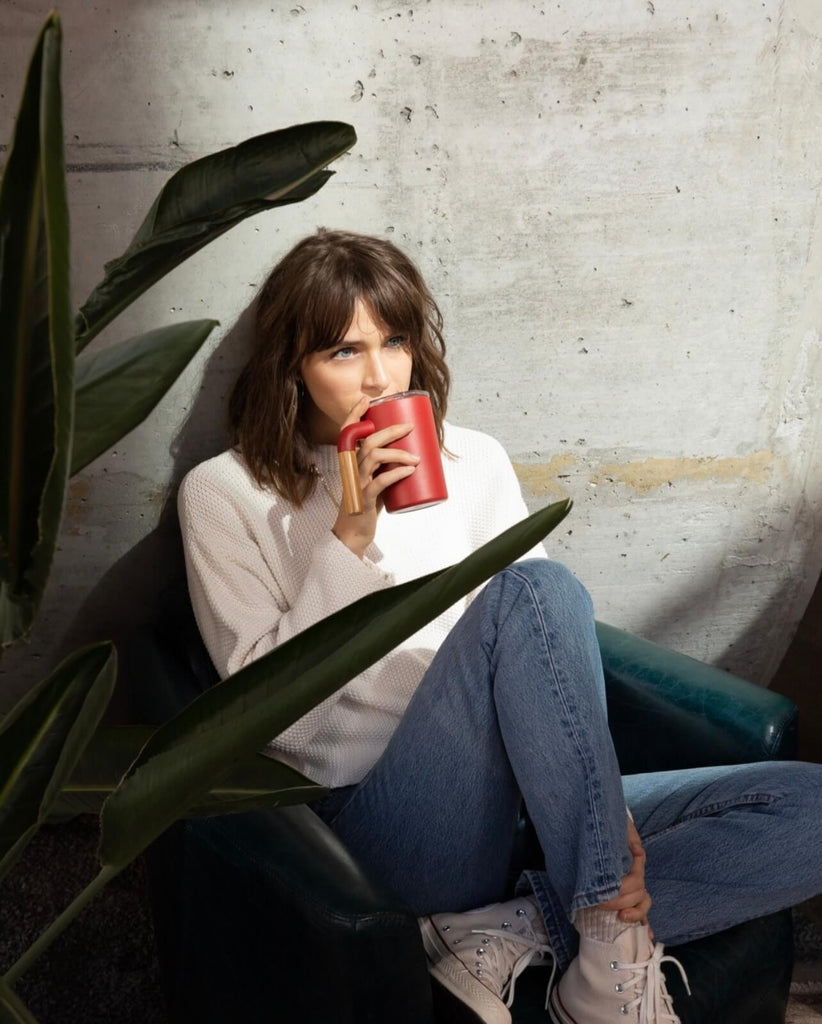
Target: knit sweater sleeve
[[243, 599]]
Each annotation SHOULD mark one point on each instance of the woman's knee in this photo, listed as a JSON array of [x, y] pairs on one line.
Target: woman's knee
[[551, 580], [543, 596]]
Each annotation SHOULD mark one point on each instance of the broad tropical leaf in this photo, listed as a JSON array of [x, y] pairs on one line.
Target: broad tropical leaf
[[117, 388], [12, 1009], [206, 198], [37, 351], [187, 755], [42, 738], [256, 781]]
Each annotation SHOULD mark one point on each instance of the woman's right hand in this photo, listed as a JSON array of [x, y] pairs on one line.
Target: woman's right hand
[[357, 531], [634, 901]]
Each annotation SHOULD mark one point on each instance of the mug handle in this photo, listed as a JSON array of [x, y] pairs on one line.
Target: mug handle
[[349, 470]]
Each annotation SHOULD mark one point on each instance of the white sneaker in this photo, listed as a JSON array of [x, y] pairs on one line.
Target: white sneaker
[[617, 981], [479, 955]]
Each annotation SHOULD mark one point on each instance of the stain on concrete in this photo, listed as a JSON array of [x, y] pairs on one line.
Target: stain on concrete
[[542, 478], [649, 474], [77, 506]]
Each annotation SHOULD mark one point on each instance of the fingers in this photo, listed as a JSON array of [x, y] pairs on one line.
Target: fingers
[[390, 476], [373, 455], [630, 895], [371, 463], [639, 913], [629, 900], [372, 491], [357, 411], [382, 438], [634, 901]]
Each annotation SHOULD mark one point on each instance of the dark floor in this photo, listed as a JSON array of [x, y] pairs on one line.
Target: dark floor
[[102, 969]]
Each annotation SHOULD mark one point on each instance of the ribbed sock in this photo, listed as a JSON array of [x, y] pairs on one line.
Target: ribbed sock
[[599, 924]]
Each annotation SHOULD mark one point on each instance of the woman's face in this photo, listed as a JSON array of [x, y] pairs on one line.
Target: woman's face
[[370, 362]]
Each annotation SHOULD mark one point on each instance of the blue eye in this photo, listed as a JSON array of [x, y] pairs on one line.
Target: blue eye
[[398, 341], [343, 353]]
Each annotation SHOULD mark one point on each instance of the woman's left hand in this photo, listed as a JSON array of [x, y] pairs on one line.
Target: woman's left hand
[[634, 901]]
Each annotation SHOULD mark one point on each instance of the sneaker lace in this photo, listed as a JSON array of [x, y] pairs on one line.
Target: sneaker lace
[[506, 957], [652, 1000]]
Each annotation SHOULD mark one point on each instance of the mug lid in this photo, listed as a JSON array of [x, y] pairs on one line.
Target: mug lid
[[399, 394]]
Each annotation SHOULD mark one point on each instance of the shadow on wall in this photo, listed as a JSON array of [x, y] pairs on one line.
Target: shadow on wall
[[763, 631], [754, 652], [798, 677], [133, 591]]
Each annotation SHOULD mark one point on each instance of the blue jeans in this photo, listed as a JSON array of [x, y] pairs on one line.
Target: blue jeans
[[513, 707]]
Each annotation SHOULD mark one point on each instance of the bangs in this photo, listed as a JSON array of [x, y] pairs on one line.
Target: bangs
[[324, 318], [391, 299]]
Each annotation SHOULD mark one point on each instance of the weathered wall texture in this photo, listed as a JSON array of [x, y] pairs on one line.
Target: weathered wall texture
[[617, 204]]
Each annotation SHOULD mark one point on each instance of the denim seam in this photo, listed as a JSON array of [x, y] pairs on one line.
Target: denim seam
[[536, 882], [591, 770], [711, 809]]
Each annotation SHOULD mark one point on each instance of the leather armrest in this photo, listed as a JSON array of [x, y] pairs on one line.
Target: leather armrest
[[669, 711], [309, 857], [275, 892]]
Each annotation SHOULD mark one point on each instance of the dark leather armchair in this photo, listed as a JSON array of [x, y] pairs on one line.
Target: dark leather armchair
[[264, 916]]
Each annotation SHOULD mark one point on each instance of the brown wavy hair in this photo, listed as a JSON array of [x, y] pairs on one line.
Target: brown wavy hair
[[305, 306]]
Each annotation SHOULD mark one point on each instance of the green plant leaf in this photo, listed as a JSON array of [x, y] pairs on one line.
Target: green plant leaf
[[12, 1009], [192, 751], [37, 353], [207, 197], [255, 782], [42, 738], [117, 388]]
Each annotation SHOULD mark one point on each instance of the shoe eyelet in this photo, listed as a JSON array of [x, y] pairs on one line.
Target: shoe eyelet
[[618, 986], [613, 965], [623, 1009]]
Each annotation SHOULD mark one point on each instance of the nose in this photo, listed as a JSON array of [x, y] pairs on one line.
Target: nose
[[376, 379]]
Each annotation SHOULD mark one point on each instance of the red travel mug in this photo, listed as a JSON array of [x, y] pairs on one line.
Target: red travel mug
[[426, 485]]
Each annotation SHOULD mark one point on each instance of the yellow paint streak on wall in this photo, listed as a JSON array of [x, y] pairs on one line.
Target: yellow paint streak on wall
[[647, 474], [541, 477]]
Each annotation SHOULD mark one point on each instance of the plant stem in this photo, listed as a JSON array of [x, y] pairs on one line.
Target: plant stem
[[57, 926]]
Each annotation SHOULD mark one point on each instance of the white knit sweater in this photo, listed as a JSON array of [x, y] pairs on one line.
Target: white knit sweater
[[261, 570]]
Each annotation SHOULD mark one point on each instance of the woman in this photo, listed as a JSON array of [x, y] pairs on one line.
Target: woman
[[429, 753]]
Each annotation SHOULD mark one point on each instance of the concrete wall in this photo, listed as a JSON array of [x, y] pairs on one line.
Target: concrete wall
[[616, 204]]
